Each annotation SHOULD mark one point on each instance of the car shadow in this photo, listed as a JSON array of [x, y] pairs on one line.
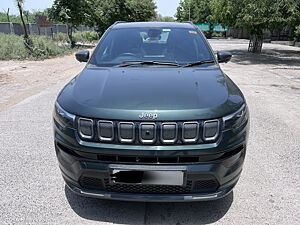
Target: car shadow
[[122, 212]]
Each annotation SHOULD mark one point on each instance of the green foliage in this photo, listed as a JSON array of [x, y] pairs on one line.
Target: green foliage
[[225, 11], [297, 31], [197, 11], [161, 18], [85, 37], [256, 15], [217, 34], [45, 47], [103, 13], [70, 12], [168, 19], [29, 16], [60, 37], [12, 47], [90, 37], [139, 10]]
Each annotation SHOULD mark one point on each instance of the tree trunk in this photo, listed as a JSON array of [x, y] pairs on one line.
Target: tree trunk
[[7, 14], [70, 35], [255, 44], [23, 22], [27, 41]]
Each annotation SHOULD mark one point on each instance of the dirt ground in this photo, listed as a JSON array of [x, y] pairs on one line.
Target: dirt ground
[[21, 79]]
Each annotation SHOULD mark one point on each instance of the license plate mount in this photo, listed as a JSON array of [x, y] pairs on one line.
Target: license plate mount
[[148, 177]]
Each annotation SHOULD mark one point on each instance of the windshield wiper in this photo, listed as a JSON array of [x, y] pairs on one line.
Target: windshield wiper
[[198, 63], [132, 63]]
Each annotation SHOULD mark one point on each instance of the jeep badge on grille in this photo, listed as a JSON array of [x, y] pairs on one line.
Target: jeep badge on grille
[[151, 116]]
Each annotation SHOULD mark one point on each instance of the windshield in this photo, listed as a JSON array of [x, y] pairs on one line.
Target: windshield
[[174, 45]]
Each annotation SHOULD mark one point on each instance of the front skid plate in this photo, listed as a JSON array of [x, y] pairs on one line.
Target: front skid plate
[[151, 198]]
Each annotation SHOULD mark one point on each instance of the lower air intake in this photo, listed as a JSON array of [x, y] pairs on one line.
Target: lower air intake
[[150, 189]]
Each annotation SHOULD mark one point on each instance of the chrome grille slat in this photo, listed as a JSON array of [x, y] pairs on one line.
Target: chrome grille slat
[[169, 141], [216, 133], [103, 138], [159, 133], [184, 130], [126, 140], [147, 141], [81, 133]]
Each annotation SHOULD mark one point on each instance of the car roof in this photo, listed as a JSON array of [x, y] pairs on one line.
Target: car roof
[[119, 25]]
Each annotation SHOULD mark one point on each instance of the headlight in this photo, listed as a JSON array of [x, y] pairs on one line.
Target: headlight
[[235, 120], [62, 117]]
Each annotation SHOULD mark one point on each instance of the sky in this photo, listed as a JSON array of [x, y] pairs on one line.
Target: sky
[[164, 7]]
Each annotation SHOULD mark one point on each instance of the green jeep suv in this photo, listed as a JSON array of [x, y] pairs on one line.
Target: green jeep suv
[[151, 117]]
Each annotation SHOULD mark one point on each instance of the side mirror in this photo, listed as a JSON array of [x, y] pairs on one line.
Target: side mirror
[[82, 56], [224, 56]]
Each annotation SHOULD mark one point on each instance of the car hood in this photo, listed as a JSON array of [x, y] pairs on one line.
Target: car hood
[[172, 93]]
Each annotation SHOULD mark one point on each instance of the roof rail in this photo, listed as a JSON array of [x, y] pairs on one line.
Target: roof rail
[[190, 22], [119, 22]]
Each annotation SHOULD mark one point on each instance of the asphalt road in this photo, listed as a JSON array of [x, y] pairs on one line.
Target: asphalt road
[[33, 192]]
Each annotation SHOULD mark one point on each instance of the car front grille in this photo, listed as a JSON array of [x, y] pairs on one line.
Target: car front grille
[[192, 186], [147, 133]]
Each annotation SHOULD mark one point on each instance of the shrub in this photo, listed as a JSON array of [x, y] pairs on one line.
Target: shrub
[[207, 34], [61, 37], [12, 47], [90, 37], [217, 34], [45, 47], [297, 32]]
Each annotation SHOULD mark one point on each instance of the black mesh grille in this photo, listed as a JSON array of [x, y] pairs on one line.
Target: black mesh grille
[[139, 188], [191, 186], [91, 182], [85, 127], [126, 132], [205, 185], [168, 131], [105, 130]]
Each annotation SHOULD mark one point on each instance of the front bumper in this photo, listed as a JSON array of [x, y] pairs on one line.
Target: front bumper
[[150, 197], [211, 178]]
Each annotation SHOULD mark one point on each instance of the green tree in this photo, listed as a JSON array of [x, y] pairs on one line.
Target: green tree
[[70, 12], [197, 11], [161, 18], [256, 15], [103, 13], [140, 10]]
